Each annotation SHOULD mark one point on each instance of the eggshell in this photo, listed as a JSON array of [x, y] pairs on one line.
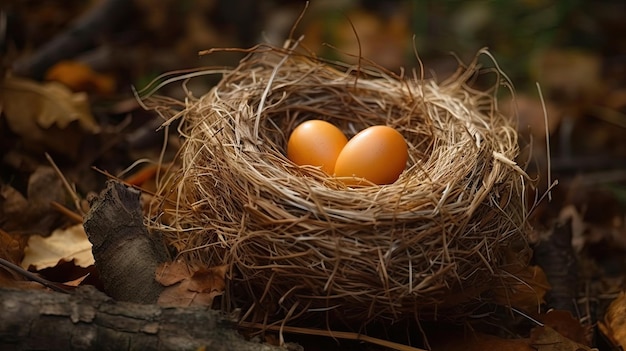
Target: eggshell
[[378, 154], [316, 143]]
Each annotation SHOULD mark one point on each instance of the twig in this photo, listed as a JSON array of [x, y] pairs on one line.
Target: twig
[[78, 219], [113, 177], [84, 35], [31, 276], [545, 119]]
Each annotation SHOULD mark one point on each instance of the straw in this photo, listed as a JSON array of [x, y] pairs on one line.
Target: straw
[[300, 243]]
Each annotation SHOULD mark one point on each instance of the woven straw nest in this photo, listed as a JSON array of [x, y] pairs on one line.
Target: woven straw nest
[[299, 242]]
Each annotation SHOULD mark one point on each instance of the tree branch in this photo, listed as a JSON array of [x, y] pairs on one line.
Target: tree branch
[[85, 34], [89, 320]]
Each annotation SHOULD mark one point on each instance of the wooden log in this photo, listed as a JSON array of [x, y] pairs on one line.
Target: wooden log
[[89, 320], [126, 254]]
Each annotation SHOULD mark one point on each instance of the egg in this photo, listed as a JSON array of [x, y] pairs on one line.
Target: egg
[[316, 143], [378, 154]]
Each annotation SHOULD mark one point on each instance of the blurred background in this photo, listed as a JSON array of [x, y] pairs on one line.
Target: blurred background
[[146, 38]]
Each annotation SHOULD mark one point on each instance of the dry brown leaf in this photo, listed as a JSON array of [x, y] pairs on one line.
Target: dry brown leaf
[[11, 247], [33, 213], [185, 287], [9, 279], [208, 280], [13, 209], [614, 324], [547, 339], [170, 273], [182, 295], [12, 203], [12, 250], [47, 104], [565, 324], [47, 116], [524, 288], [176, 295], [63, 245], [76, 282]]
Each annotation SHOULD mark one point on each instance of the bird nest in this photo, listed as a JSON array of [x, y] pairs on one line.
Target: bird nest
[[299, 242]]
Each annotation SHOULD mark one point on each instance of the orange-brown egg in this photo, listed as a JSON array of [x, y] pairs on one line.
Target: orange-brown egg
[[316, 143], [378, 154]]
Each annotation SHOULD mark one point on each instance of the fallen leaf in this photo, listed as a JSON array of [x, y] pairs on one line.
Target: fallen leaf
[[170, 273], [47, 104], [209, 280], [614, 324], [10, 279], [547, 339], [12, 205], [47, 116], [80, 77], [76, 282], [63, 245], [529, 291], [523, 287], [182, 295], [187, 287], [33, 213], [11, 248], [44, 187], [565, 324]]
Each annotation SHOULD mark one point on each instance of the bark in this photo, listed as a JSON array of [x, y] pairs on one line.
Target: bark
[[87, 319], [90, 320], [126, 254]]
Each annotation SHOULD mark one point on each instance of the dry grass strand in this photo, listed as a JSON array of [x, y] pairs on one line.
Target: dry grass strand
[[300, 242]]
